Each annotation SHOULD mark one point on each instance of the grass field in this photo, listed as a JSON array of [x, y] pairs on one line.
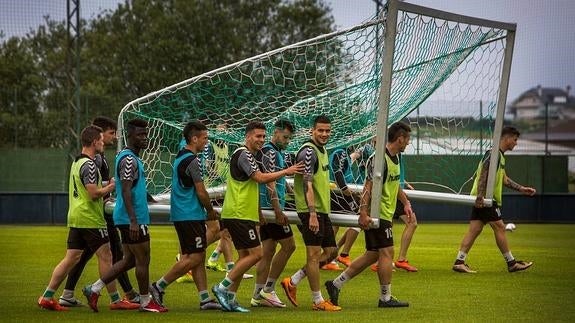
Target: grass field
[[544, 293]]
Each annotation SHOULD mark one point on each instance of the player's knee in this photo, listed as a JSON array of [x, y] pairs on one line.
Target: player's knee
[[257, 254], [288, 247]]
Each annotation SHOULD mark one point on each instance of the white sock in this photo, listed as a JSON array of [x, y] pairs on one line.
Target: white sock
[[461, 255], [316, 296], [508, 256], [257, 290], [145, 300], [298, 276], [98, 286], [340, 280], [66, 293], [214, 256], [385, 292], [270, 285]]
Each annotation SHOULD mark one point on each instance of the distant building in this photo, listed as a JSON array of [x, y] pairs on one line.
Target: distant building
[[531, 104]]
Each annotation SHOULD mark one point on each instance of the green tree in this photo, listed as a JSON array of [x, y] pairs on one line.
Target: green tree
[[139, 47]]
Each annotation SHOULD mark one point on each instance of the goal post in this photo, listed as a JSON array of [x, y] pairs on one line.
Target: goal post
[[444, 74]]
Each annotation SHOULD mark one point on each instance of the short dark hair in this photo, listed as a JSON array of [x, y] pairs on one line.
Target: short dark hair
[[397, 130], [284, 124], [134, 124], [509, 131], [89, 134], [193, 128], [105, 123], [321, 119], [255, 125]]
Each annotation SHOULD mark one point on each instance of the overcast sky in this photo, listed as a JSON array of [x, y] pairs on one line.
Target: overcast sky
[[544, 47]]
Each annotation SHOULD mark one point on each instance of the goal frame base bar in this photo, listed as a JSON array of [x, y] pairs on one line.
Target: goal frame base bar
[[339, 219]]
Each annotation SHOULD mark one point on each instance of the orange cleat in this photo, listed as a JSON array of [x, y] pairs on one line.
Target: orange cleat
[[332, 266], [50, 304], [346, 261], [290, 290], [326, 306], [404, 264], [124, 305]]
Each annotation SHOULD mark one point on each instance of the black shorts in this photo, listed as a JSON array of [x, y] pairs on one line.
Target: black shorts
[[324, 237], [93, 239], [275, 232], [125, 233], [192, 236], [486, 214], [379, 238], [343, 203], [243, 233]]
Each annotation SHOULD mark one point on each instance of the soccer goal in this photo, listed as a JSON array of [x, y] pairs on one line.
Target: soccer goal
[[444, 74]]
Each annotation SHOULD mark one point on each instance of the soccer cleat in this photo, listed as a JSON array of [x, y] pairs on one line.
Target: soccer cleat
[[404, 265], [255, 302], [210, 304], [331, 266], [290, 290], [91, 297], [333, 292], [247, 276], [124, 305], [393, 302], [326, 306], [157, 294], [222, 297], [50, 304], [69, 302], [519, 265], [463, 268], [346, 261], [215, 266], [272, 298], [134, 299], [187, 278], [236, 307], [153, 307]]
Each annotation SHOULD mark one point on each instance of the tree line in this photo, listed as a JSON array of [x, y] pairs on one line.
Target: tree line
[[139, 47]]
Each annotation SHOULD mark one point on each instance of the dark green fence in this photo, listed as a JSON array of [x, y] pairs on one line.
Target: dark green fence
[[45, 170]]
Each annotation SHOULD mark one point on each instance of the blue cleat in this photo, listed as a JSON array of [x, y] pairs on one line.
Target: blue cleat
[[236, 307], [222, 297]]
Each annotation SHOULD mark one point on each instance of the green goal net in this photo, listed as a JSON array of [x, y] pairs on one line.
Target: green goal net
[[445, 83]]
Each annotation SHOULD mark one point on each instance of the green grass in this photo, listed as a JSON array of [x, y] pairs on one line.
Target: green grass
[[436, 294]]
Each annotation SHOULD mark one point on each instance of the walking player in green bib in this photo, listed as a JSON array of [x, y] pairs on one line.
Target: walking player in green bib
[[85, 217], [379, 242], [312, 199], [241, 212], [481, 215]]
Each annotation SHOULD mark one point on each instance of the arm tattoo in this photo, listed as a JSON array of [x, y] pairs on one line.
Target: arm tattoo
[[512, 185], [482, 183]]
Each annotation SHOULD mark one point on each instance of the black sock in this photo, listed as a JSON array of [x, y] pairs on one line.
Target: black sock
[[343, 254]]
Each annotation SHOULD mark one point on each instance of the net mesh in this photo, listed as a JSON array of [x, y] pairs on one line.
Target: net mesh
[[445, 83]]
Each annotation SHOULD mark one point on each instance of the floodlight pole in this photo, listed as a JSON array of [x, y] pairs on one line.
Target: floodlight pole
[[500, 115], [73, 76], [390, 30]]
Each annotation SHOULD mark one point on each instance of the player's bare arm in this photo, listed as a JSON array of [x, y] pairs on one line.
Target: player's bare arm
[[364, 219], [509, 183]]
